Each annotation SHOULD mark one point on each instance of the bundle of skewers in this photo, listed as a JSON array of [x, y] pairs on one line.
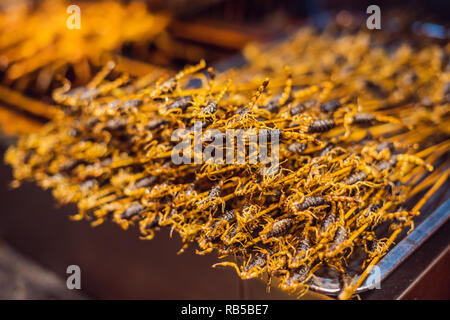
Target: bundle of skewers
[[37, 43], [361, 130]]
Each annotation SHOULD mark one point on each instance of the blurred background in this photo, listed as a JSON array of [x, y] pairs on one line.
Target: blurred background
[[37, 240]]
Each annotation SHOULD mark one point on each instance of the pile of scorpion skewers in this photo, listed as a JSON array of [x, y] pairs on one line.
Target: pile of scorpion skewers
[[362, 129], [38, 44]]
